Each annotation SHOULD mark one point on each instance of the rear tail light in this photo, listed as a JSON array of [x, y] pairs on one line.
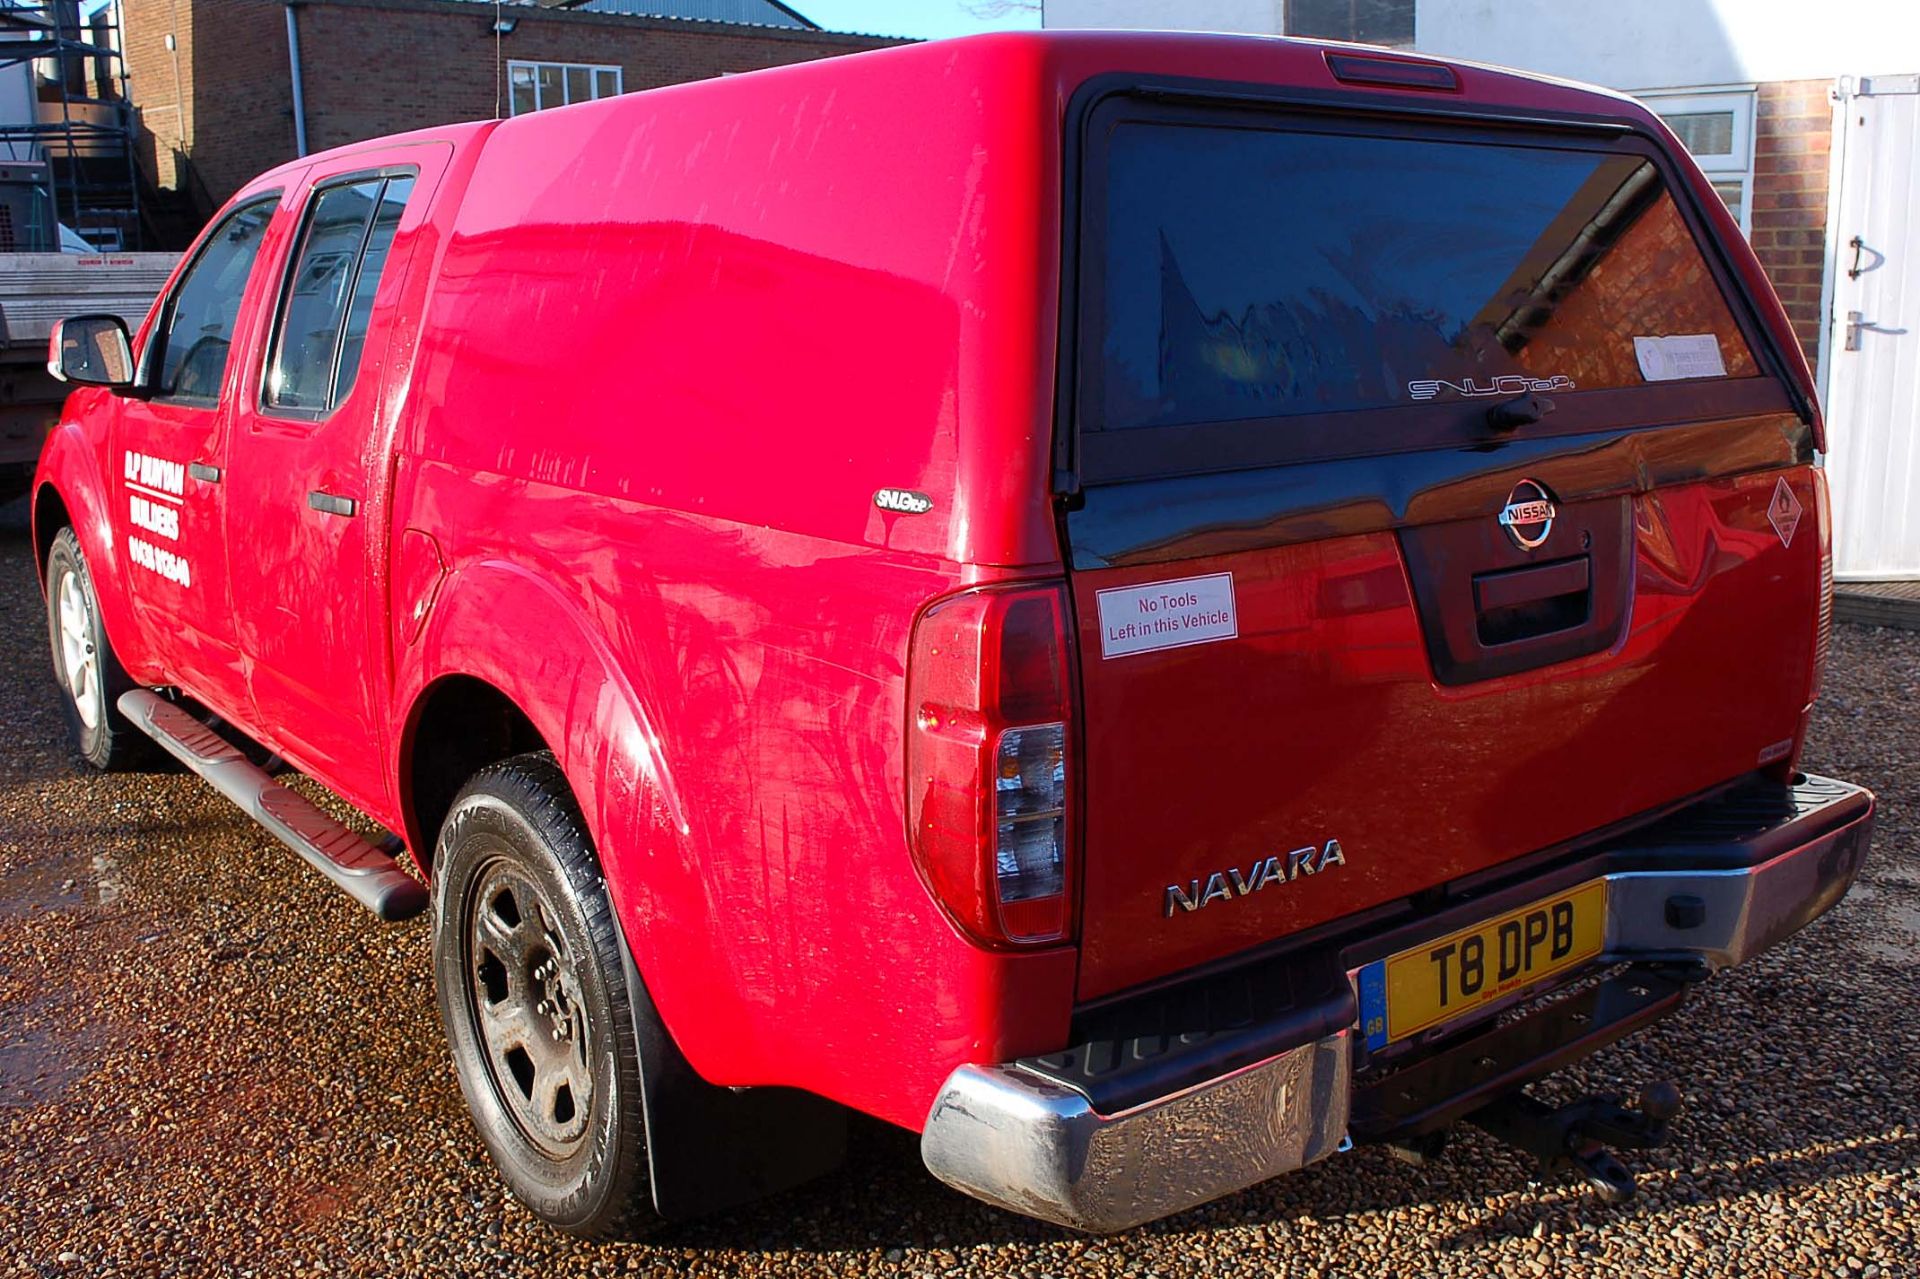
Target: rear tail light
[[989, 771]]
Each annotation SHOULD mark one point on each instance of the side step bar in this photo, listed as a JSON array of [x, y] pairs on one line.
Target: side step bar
[[367, 875]]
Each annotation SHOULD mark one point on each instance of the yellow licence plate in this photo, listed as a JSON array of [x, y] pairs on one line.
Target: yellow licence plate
[[1426, 985]]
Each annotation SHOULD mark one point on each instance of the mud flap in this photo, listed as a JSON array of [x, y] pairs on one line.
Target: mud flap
[[711, 1148]]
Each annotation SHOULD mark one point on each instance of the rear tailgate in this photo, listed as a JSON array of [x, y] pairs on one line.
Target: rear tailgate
[[1345, 635]]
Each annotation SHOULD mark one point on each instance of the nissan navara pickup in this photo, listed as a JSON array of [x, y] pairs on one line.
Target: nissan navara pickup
[[1142, 606]]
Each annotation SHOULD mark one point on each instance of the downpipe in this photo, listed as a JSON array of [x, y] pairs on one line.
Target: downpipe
[[299, 88]]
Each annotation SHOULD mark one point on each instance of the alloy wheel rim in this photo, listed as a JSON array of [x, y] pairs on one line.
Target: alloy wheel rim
[[524, 991], [80, 662]]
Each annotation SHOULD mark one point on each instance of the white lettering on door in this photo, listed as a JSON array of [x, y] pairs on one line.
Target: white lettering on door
[[157, 559], [159, 477], [162, 521], [156, 490]]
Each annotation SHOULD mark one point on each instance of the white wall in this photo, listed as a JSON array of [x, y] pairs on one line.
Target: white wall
[[1258, 17], [1625, 44], [1655, 44]]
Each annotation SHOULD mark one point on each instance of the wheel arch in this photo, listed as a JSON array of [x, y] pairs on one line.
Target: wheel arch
[[509, 662], [70, 492], [49, 516], [457, 726], [707, 1147]]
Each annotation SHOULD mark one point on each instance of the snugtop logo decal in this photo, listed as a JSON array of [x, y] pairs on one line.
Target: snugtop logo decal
[[1474, 388]]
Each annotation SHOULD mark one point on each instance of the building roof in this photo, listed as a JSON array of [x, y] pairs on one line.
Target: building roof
[[753, 13], [749, 13]]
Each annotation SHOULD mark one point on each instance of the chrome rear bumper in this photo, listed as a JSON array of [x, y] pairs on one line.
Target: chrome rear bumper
[[1025, 1142], [1017, 1136], [1741, 912]]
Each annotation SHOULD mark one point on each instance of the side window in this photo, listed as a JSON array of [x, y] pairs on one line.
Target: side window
[[328, 297], [198, 331], [373, 263]]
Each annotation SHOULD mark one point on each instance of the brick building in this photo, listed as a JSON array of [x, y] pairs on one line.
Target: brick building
[[213, 80], [1787, 224]]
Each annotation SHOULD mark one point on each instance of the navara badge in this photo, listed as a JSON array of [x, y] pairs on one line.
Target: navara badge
[[1226, 885]]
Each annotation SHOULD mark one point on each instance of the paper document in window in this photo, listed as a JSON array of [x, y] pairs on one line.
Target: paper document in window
[[1681, 355]]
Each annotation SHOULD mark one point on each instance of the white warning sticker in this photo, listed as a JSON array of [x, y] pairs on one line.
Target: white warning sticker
[[1682, 355], [1157, 615]]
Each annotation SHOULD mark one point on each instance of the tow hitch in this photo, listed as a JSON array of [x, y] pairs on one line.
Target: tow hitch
[[1577, 1136]]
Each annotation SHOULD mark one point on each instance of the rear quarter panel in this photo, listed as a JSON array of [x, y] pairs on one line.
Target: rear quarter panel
[[675, 344]]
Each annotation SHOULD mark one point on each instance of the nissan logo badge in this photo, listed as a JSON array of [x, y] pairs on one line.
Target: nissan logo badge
[[1528, 514]]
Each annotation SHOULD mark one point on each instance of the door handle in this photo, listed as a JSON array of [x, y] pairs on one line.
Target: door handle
[[204, 473], [1858, 323], [1861, 247], [331, 503]]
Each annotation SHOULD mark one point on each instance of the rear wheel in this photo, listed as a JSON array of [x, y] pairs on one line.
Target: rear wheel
[[532, 987], [89, 674]]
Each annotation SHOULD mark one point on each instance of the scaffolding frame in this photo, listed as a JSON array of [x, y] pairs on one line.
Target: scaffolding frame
[[78, 148]]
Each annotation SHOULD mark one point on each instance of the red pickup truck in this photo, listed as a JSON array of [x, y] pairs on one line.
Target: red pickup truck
[[1142, 606]]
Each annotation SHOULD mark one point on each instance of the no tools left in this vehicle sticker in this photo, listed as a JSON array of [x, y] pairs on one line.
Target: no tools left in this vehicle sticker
[[1157, 615]]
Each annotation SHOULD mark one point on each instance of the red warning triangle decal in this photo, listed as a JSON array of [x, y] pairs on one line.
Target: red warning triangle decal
[[1784, 512]]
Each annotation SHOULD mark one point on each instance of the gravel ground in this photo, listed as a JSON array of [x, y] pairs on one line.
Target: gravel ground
[[212, 1064]]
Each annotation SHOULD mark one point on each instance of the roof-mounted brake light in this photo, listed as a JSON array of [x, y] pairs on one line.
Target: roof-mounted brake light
[[1398, 73]]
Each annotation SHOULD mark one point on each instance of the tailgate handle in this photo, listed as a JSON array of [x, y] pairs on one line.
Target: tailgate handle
[[1520, 586]]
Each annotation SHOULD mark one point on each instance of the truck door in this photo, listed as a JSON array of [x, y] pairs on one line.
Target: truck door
[[168, 457], [309, 484]]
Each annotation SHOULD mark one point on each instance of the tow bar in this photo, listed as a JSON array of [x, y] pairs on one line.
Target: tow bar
[[1577, 1136]]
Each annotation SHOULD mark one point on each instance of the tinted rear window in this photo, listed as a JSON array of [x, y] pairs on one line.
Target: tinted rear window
[[1252, 273]]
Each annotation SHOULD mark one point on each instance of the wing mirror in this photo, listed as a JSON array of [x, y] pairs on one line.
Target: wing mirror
[[91, 350]]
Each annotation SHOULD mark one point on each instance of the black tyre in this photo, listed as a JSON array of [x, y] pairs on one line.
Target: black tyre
[[84, 664], [530, 974]]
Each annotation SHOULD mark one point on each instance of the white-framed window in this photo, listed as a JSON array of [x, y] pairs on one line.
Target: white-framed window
[[1717, 128], [535, 86]]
